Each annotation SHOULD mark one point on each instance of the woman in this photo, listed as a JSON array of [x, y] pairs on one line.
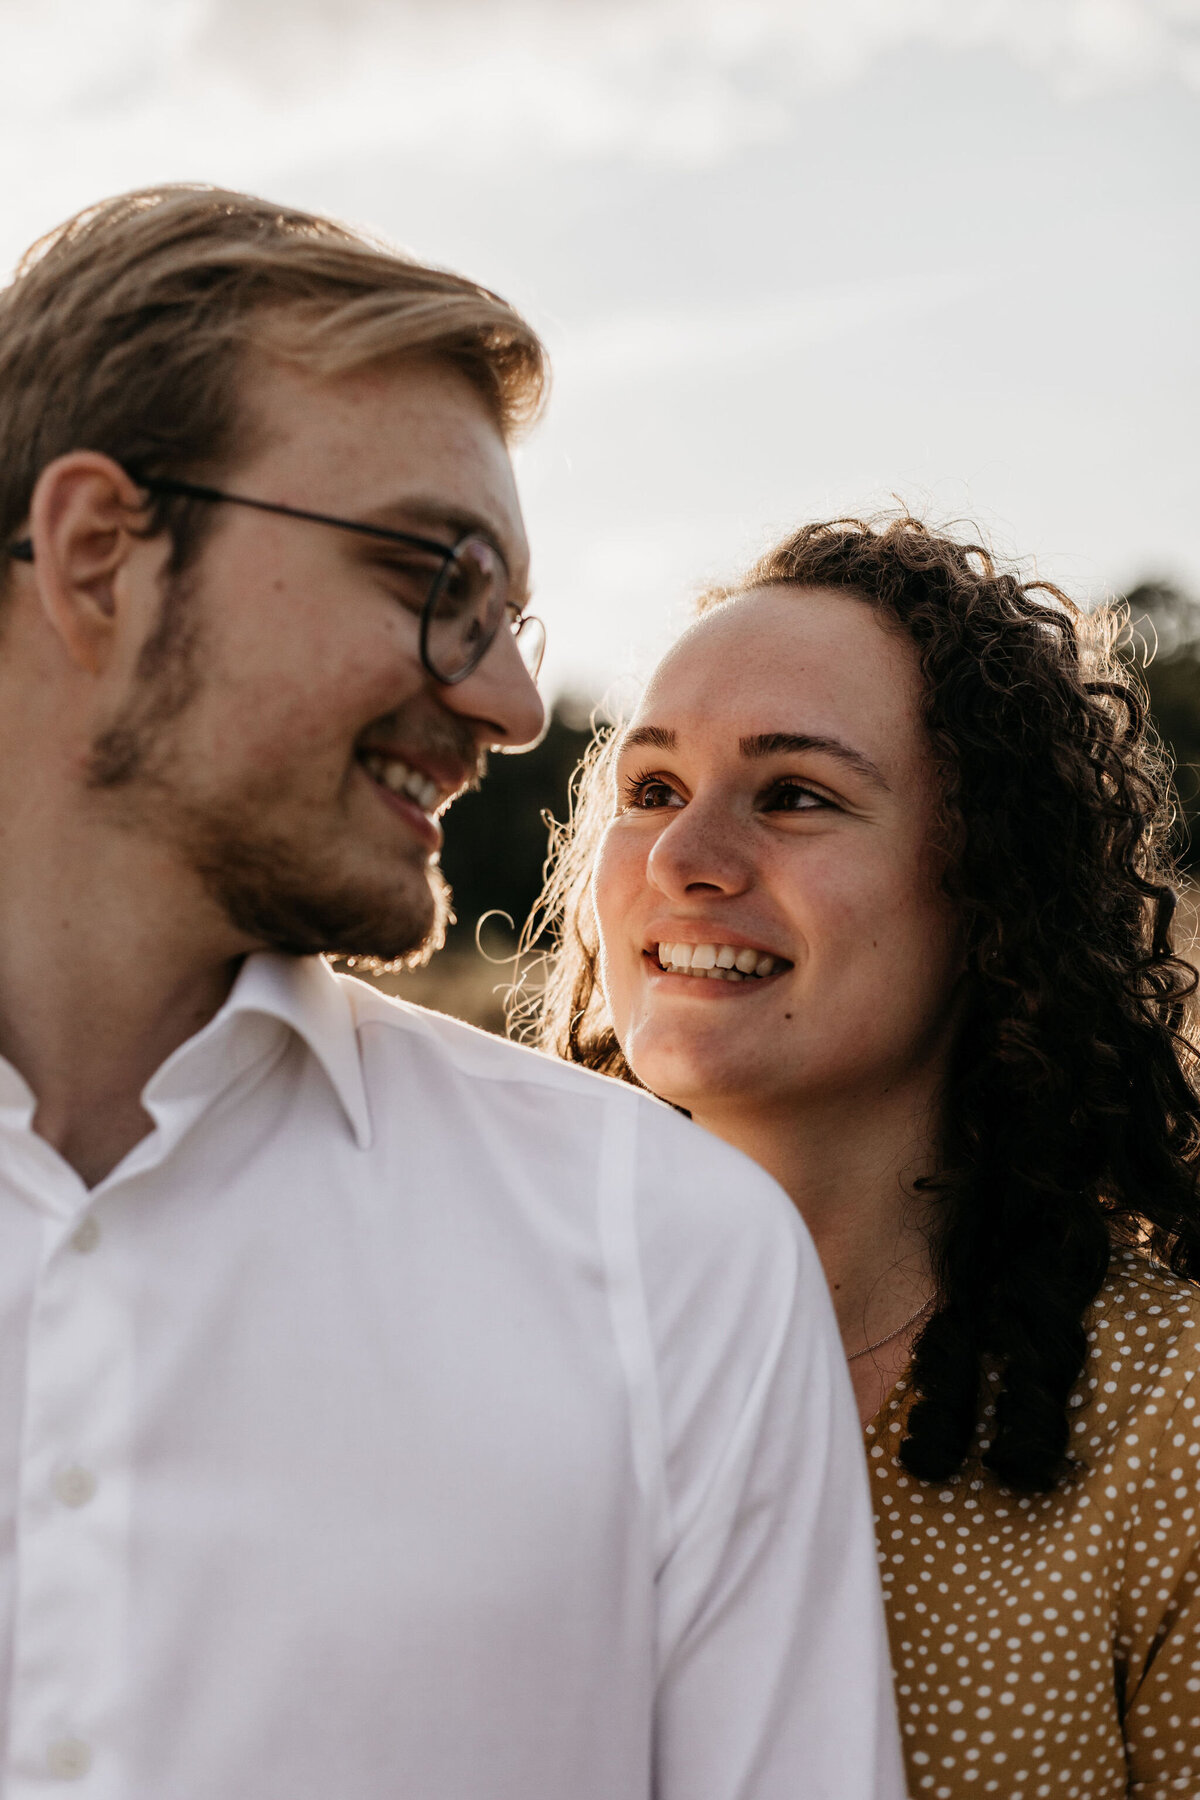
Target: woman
[[875, 886]]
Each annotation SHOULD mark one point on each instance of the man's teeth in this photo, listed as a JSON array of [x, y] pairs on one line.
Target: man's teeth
[[717, 962], [391, 773]]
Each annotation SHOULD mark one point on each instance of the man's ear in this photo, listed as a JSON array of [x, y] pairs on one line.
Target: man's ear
[[81, 520]]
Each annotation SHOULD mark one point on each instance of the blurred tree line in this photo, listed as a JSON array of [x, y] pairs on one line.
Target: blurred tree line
[[493, 856], [1163, 640], [496, 838]]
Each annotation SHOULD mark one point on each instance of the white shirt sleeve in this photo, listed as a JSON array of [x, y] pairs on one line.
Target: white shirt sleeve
[[774, 1681]]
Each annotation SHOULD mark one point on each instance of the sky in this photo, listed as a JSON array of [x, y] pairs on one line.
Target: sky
[[791, 257]]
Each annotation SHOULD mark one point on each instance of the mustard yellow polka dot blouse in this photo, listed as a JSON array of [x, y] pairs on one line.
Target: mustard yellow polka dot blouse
[[1049, 1645]]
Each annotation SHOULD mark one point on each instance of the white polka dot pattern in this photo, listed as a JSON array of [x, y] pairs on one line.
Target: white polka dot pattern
[[1049, 1644]]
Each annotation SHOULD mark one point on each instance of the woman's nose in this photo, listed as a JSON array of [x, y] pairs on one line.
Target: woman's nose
[[700, 851]]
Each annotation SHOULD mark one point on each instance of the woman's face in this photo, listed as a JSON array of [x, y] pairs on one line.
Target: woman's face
[[774, 817]]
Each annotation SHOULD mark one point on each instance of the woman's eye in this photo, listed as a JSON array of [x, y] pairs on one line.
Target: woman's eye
[[647, 793], [794, 797]]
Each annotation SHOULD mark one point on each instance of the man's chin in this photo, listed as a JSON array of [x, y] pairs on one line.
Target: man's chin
[[380, 962], [371, 932]]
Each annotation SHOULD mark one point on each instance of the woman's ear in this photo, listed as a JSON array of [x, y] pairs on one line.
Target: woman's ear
[[81, 520]]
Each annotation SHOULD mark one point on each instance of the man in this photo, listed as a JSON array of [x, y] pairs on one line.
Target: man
[[383, 1410]]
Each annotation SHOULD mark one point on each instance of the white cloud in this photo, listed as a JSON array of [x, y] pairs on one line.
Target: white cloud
[[768, 42], [213, 84], [571, 118]]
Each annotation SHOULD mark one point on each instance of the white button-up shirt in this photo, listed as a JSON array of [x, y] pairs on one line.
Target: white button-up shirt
[[411, 1417]]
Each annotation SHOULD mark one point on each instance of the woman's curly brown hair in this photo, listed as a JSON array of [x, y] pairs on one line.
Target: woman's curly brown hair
[[1072, 1119]]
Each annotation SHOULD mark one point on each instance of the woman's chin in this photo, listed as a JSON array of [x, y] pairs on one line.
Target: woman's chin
[[684, 1077]]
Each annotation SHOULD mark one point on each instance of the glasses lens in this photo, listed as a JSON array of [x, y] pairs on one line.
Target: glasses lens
[[530, 634], [467, 606]]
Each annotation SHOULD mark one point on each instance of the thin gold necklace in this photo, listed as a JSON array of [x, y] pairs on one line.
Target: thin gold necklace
[[878, 1345]]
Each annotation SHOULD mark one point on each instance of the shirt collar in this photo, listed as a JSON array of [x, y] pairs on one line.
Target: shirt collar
[[305, 994], [301, 993]]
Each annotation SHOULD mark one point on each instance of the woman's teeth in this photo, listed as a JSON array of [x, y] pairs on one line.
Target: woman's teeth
[[395, 775], [718, 962]]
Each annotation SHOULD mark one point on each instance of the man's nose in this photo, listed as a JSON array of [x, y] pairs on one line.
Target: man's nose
[[499, 698], [701, 851]]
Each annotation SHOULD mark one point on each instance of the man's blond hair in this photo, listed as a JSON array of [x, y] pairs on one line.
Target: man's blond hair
[[125, 331]]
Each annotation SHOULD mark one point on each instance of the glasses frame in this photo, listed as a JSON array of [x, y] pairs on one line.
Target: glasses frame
[[448, 553]]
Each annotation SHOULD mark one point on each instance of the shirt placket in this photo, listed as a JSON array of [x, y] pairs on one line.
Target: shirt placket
[[72, 1523]]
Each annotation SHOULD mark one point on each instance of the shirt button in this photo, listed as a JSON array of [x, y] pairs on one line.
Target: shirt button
[[68, 1758], [86, 1237], [74, 1487]]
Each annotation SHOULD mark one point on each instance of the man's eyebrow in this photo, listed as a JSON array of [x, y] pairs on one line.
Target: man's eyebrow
[[424, 515], [784, 743]]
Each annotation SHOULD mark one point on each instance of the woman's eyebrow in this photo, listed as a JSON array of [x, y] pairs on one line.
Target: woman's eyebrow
[[776, 743], [657, 737]]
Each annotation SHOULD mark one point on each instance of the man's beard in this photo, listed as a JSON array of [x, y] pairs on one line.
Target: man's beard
[[283, 892], [291, 898]]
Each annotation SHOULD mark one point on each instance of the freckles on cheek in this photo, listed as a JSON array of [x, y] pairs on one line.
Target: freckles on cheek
[[601, 919], [614, 972], [611, 893], [849, 914], [898, 929]]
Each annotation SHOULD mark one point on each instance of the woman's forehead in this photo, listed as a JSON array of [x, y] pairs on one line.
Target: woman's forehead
[[790, 659]]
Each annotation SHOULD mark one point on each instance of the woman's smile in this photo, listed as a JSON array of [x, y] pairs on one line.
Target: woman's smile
[[716, 960]]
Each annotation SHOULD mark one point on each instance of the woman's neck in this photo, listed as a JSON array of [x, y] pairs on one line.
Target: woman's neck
[[849, 1166]]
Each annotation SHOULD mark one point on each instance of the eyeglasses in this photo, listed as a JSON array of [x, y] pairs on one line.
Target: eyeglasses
[[459, 590]]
